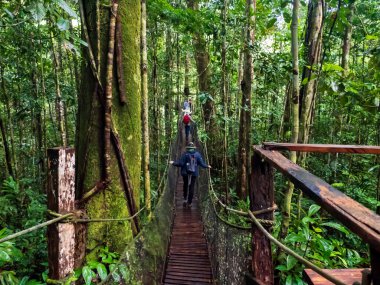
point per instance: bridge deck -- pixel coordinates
(188, 261)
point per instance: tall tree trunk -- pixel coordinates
(286, 209)
(122, 190)
(156, 110)
(38, 125)
(313, 44)
(225, 98)
(169, 83)
(347, 38)
(186, 89)
(10, 156)
(202, 60)
(245, 113)
(145, 106)
(58, 103)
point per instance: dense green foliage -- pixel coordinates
(347, 111)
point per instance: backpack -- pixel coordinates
(186, 119)
(191, 163)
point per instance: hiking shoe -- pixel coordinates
(184, 203)
(189, 205)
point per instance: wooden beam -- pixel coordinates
(352, 214)
(61, 197)
(323, 148)
(261, 197)
(347, 276)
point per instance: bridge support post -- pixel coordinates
(375, 265)
(61, 199)
(261, 197)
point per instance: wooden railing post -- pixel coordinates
(375, 265)
(261, 197)
(61, 198)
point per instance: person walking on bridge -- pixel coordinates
(189, 162)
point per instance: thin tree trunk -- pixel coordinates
(156, 117)
(186, 89)
(59, 103)
(169, 80)
(245, 113)
(225, 98)
(286, 209)
(145, 107)
(8, 157)
(347, 38)
(313, 44)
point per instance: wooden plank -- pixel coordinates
(347, 276)
(323, 148)
(261, 197)
(352, 214)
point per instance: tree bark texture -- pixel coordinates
(125, 124)
(347, 38)
(245, 113)
(59, 103)
(225, 97)
(286, 209)
(145, 106)
(313, 44)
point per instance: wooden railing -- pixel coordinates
(356, 217)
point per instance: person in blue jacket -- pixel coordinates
(189, 162)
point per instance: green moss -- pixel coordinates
(111, 203)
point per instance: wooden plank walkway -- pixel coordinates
(188, 261)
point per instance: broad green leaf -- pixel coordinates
(290, 262)
(289, 280)
(281, 267)
(63, 24)
(332, 67)
(102, 271)
(336, 226)
(4, 256)
(67, 8)
(87, 275)
(271, 23)
(313, 209)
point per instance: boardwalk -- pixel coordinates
(188, 261)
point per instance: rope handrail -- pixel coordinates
(70, 219)
(259, 223)
(36, 227)
(294, 254)
(238, 212)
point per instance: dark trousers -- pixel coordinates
(187, 131)
(188, 190)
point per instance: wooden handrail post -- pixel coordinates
(375, 265)
(61, 198)
(261, 197)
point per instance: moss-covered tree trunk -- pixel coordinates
(111, 199)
